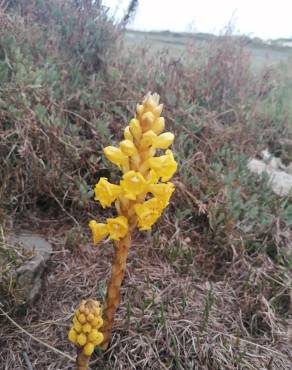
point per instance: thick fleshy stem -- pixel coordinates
(113, 292)
(82, 361)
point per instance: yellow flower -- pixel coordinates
(105, 192)
(118, 227)
(147, 139)
(128, 147)
(158, 125)
(162, 191)
(152, 177)
(133, 184)
(147, 120)
(88, 349)
(148, 213)
(163, 141)
(135, 128)
(127, 134)
(165, 165)
(99, 231)
(116, 156)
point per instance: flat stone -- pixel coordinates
(280, 181)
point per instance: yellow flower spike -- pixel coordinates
(99, 231)
(128, 147)
(133, 184)
(165, 166)
(158, 125)
(162, 191)
(143, 174)
(135, 129)
(148, 213)
(105, 192)
(118, 227)
(116, 156)
(127, 134)
(163, 141)
(147, 140)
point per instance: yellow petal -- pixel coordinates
(148, 213)
(116, 156)
(165, 166)
(133, 184)
(162, 191)
(118, 227)
(99, 231)
(163, 141)
(105, 192)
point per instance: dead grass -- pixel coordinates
(167, 319)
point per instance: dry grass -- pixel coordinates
(167, 319)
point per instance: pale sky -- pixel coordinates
(265, 19)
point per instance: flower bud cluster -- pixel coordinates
(87, 321)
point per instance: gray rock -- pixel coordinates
(29, 276)
(280, 181)
(289, 168)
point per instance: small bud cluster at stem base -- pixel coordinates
(84, 332)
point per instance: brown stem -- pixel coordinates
(82, 361)
(113, 291)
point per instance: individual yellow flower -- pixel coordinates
(105, 192)
(163, 141)
(148, 139)
(162, 191)
(118, 227)
(116, 156)
(147, 121)
(165, 165)
(133, 184)
(158, 125)
(135, 128)
(99, 231)
(148, 213)
(128, 147)
(127, 134)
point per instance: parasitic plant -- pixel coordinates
(142, 194)
(85, 331)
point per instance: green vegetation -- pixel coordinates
(211, 287)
